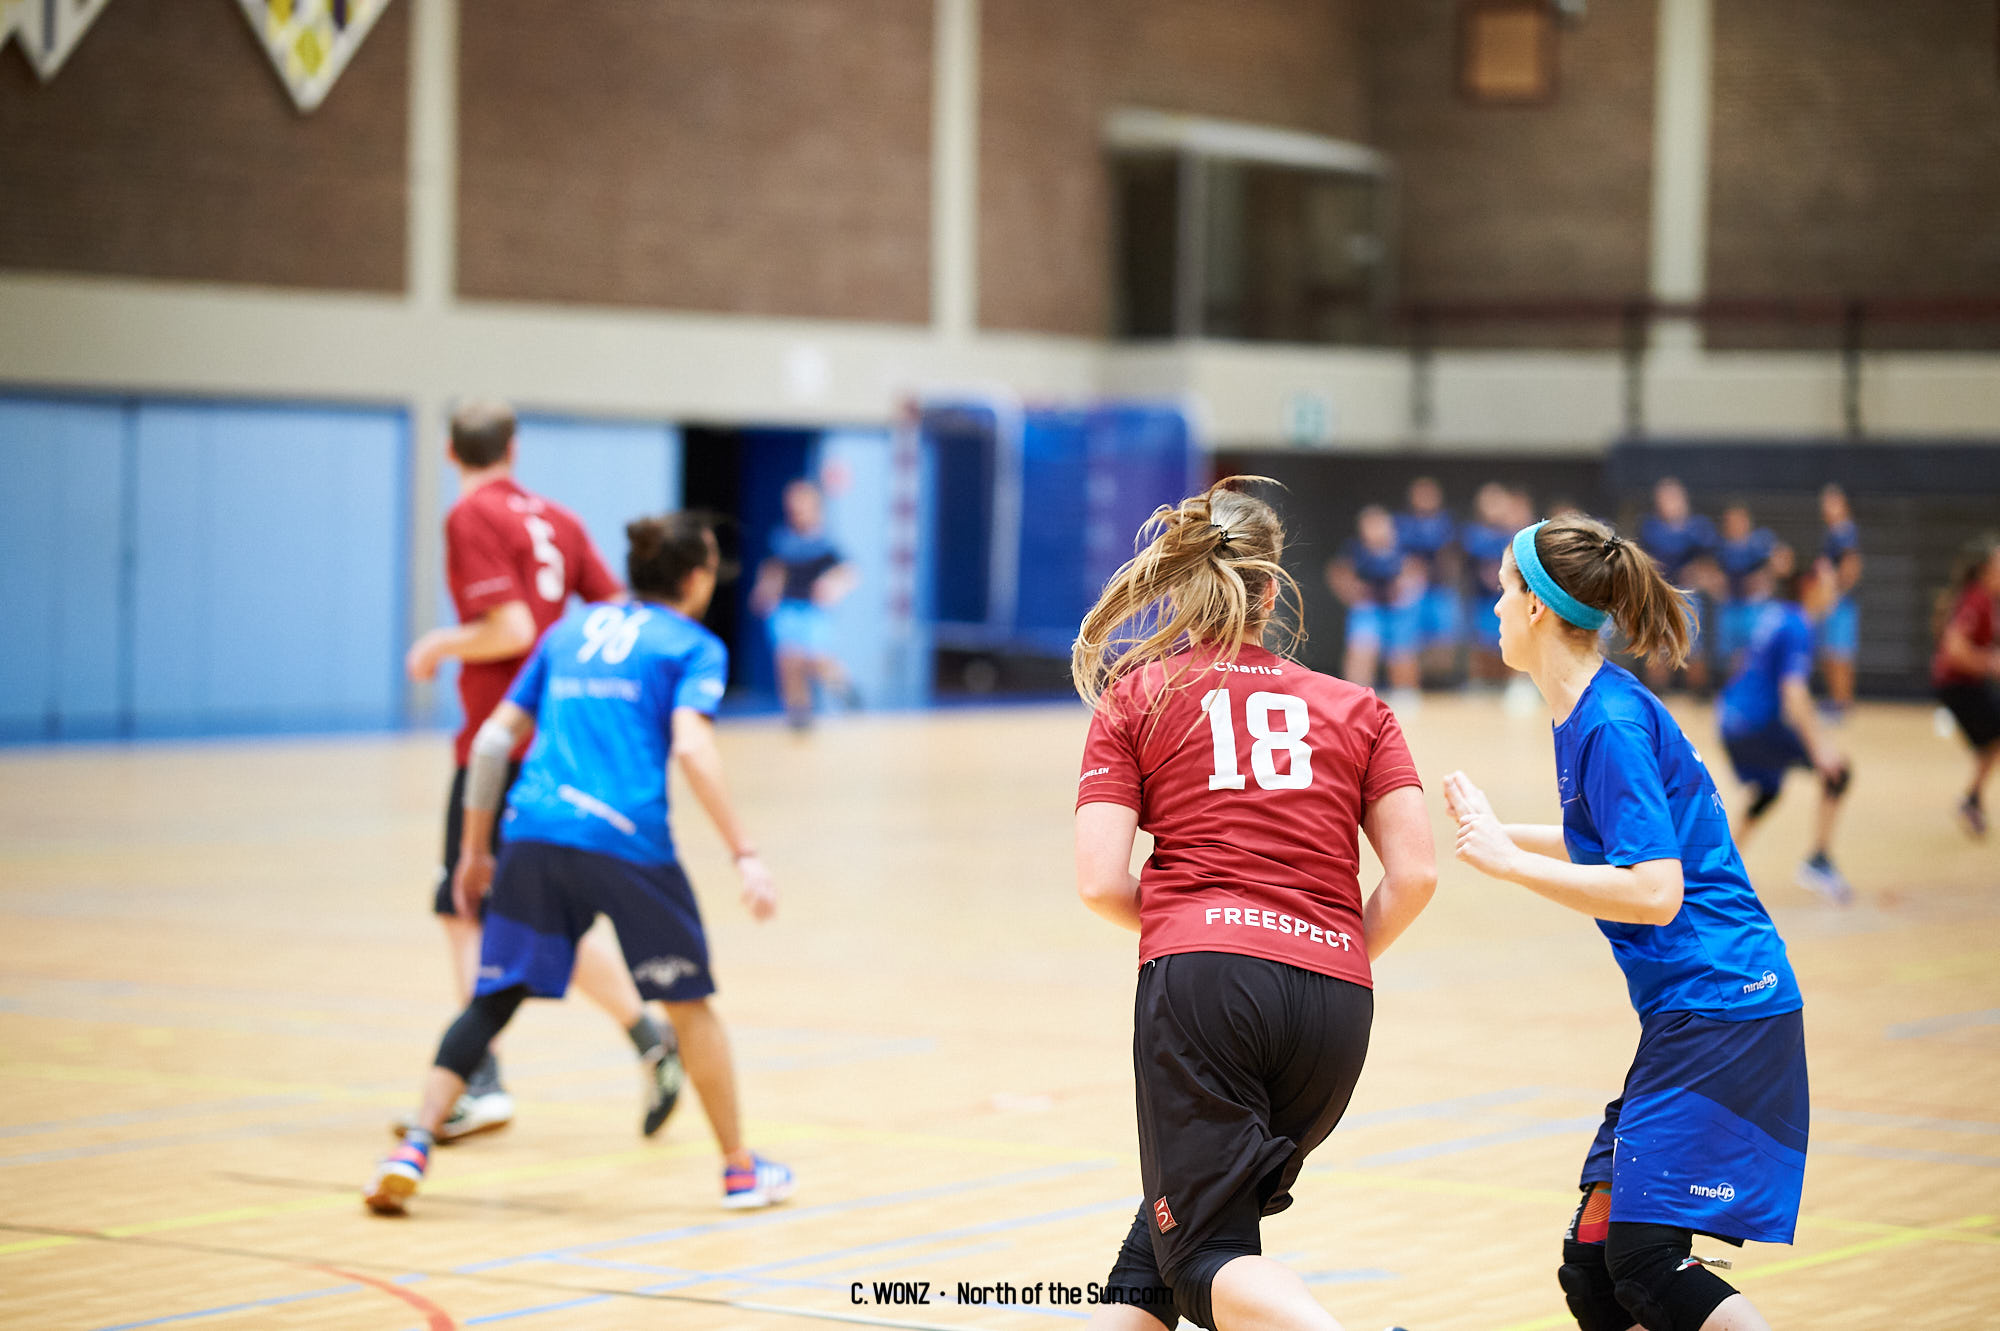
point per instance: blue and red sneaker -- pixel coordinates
(396, 1178)
(760, 1183)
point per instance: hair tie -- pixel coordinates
(1529, 561)
(1226, 535)
(1612, 544)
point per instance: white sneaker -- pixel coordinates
(1818, 876)
(488, 1111)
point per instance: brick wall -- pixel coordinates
(1496, 202)
(1856, 150)
(1050, 71)
(762, 157)
(167, 147)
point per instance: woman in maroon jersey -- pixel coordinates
(1254, 776)
(1966, 669)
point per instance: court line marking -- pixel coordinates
(272, 1302)
(1944, 1025)
(1792, 1264)
(435, 1318)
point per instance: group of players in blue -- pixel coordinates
(1419, 585)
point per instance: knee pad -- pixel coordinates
(1766, 797)
(1836, 785)
(1584, 1278)
(468, 1038)
(1653, 1275)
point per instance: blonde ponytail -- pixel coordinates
(1201, 574)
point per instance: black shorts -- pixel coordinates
(1976, 707)
(546, 896)
(454, 831)
(1243, 1066)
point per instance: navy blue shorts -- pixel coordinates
(1762, 757)
(545, 896)
(1710, 1134)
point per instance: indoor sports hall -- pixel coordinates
(928, 306)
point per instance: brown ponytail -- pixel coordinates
(1200, 576)
(1966, 570)
(1605, 571)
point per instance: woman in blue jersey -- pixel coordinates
(614, 692)
(1769, 724)
(1381, 585)
(1709, 1136)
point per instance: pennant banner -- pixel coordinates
(310, 41)
(47, 30)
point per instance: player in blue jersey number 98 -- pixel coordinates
(612, 692)
(1709, 1135)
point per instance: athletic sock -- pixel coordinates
(645, 1035)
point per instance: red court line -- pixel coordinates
(435, 1318)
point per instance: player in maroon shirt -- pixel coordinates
(1966, 667)
(513, 560)
(1255, 776)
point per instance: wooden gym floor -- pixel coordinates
(218, 983)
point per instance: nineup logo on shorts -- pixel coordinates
(1163, 1217)
(1725, 1192)
(1768, 980)
(664, 971)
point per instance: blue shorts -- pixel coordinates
(1839, 634)
(1710, 1133)
(544, 896)
(1395, 629)
(801, 626)
(1762, 757)
(1439, 615)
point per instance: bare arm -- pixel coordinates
(1399, 828)
(1962, 652)
(701, 762)
(1104, 880)
(501, 634)
(1539, 838)
(770, 582)
(832, 586)
(1645, 893)
(1795, 700)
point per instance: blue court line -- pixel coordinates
(1957, 1021)
(1553, 1127)
(1349, 1276)
(788, 1214)
(1954, 1158)
(226, 1309)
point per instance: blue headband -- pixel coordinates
(1541, 584)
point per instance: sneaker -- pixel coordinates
(396, 1179)
(662, 1075)
(474, 1113)
(1972, 818)
(765, 1183)
(1818, 876)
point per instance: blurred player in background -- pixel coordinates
(1380, 585)
(1484, 540)
(1741, 553)
(1426, 532)
(1683, 543)
(1840, 631)
(1709, 1135)
(611, 693)
(1254, 776)
(803, 579)
(513, 560)
(1967, 666)
(1769, 724)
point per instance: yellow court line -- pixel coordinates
(1827, 1258)
(35, 1245)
